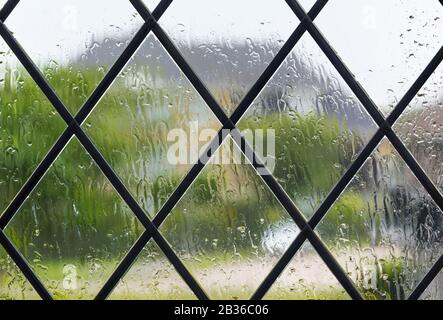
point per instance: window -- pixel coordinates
(187, 149)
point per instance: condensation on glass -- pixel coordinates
(74, 228)
(386, 44)
(234, 44)
(385, 230)
(73, 42)
(320, 126)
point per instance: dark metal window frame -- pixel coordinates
(151, 227)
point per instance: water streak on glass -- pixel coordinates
(74, 228)
(227, 227)
(134, 124)
(320, 126)
(385, 230)
(435, 289)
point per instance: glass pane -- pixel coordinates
(320, 126)
(29, 125)
(136, 123)
(13, 284)
(74, 228)
(228, 228)
(385, 230)
(74, 42)
(306, 278)
(386, 44)
(152, 277)
(421, 127)
(435, 289)
(226, 39)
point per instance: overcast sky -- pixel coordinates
(380, 40)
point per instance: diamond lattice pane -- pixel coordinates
(386, 44)
(306, 277)
(228, 229)
(74, 42)
(421, 127)
(152, 277)
(319, 125)
(141, 120)
(230, 39)
(74, 228)
(385, 230)
(29, 125)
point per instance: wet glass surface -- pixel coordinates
(152, 277)
(74, 228)
(74, 46)
(385, 230)
(386, 44)
(29, 125)
(306, 278)
(227, 226)
(235, 49)
(151, 125)
(421, 127)
(145, 112)
(320, 126)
